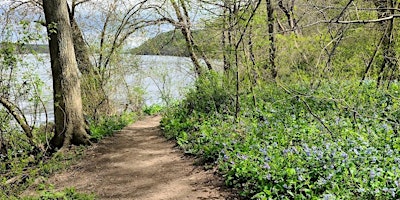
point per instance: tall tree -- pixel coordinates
(70, 124)
(82, 53)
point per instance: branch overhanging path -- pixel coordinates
(139, 163)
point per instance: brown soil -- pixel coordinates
(139, 163)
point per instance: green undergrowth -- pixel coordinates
(19, 172)
(67, 194)
(336, 141)
(21, 168)
(154, 109)
(107, 126)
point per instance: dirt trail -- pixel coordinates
(138, 163)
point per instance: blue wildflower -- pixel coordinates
(285, 151)
(392, 192)
(344, 155)
(328, 197)
(329, 176)
(263, 151)
(266, 166)
(356, 151)
(322, 181)
(361, 190)
(320, 154)
(226, 157)
(372, 174)
(369, 150)
(389, 152)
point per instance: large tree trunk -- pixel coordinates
(93, 96)
(82, 53)
(70, 124)
(85, 66)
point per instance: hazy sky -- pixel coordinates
(91, 16)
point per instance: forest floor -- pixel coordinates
(139, 163)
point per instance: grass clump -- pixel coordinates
(67, 193)
(337, 141)
(153, 109)
(107, 126)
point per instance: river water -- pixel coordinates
(161, 79)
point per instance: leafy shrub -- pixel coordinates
(212, 93)
(338, 141)
(107, 126)
(153, 109)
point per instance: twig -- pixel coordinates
(316, 117)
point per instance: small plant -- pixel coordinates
(153, 109)
(107, 126)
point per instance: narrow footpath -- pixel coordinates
(139, 163)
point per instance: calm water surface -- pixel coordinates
(160, 77)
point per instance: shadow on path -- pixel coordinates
(139, 163)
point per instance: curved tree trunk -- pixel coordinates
(14, 111)
(70, 124)
(187, 34)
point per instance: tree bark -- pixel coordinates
(187, 33)
(85, 66)
(93, 94)
(271, 36)
(15, 112)
(288, 11)
(224, 33)
(389, 62)
(69, 121)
